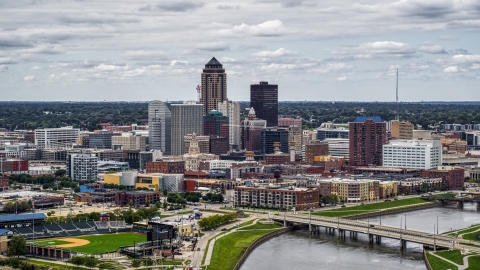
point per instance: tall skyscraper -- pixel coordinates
(214, 85)
(252, 132)
(232, 111)
(366, 138)
(159, 127)
(264, 99)
(187, 118)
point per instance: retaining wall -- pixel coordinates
(259, 241)
(427, 263)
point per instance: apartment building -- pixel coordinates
(82, 167)
(56, 137)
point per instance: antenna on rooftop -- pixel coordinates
(199, 93)
(396, 101)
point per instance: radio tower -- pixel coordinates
(396, 102)
(199, 93)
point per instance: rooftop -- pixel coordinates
(365, 118)
(213, 63)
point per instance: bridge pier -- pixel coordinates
(478, 206)
(403, 244)
(378, 239)
(459, 205)
(370, 238)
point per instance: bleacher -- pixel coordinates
(22, 224)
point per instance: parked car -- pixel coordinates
(224, 229)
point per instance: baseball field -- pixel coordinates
(94, 244)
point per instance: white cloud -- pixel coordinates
(278, 53)
(29, 78)
(331, 68)
(341, 79)
(149, 55)
(378, 49)
(466, 58)
(3, 68)
(451, 69)
(213, 46)
(433, 49)
(266, 29)
(448, 37)
(36, 68)
(106, 67)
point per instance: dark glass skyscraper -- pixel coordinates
(264, 100)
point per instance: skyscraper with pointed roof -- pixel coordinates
(214, 85)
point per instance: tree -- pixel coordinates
(17, 246)
(60, 173)
(165, 204)
(165, 192)
(136, 263)
(91, 262)
(78, 260)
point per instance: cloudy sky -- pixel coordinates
(314, 50)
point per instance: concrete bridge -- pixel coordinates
(373, 231)
(459, 201)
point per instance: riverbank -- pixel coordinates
(229, 250)
(452, 259)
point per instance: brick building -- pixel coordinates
(14, 165)
(174, 166)
(281, 198)
(452, 177)
(367, 134)
(315, 149)
(136, 197)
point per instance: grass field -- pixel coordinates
(98, 243)
(453, 255)
(368, 208)
(466, 230)
(439, 264)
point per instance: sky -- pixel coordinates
(90, 50)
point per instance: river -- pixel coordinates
(300, 250)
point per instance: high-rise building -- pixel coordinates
(159, 127)
(187, 118)
(82, 167)
(264, 99)
(252, 132)
(315, 149)
(270, 136)
(402, 130)
(128, 141)
(56, 137)
(100, 140)
(214, 123)
(367, 134)
(421, 154)
(232, 111)
(214, 86)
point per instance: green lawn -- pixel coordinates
(471, 236)
(467, 230)
(103, 243)
(444, 195)
(439, 264)
(58, 266)
(368, 208)
(230, 248)
(453, 255)
(473, 263)
(262, 226)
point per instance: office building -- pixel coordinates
(289, 122)
(232, 111)
(137, 159)
(82, 167)
(203, 143)
(412, 154)
(187, 118)
(159, 127)
(218, 145)
(215, 124)
(137, 198)
(64, 137)
(366, 138)
(315, 149)
(214, 86)
(402, 130)
(338, 148)
(264, 99)
(128, 141)
(170, 166)
(100, 140)
(252, 132)
(336, 133)
(272, 135)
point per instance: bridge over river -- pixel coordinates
(374, 232)
(459, 200)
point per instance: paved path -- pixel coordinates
(460, 267)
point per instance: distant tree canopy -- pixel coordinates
(88, 116)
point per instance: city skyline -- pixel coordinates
(333, 50)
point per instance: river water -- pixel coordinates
(300, 250)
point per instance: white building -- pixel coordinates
(82, 167)
(338, 147)
(56, 137)
(418, 154)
